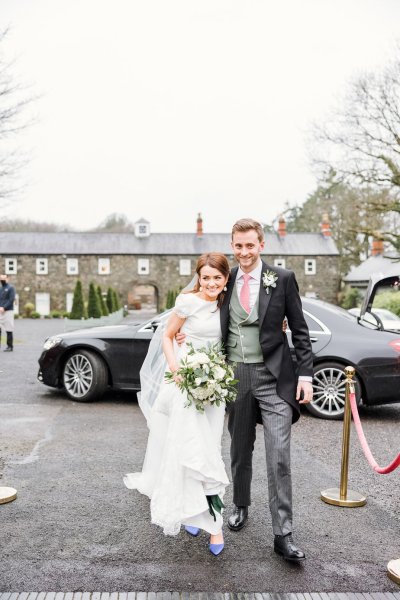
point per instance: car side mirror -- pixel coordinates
(154, 325)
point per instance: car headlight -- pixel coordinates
(51, 342)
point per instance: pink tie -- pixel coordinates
(245, 293)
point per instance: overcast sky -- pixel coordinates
(165, 108)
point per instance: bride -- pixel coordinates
(183, 463)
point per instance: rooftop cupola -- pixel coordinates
(142, 228)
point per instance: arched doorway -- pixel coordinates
(143, 296)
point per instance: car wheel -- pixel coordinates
(329, 385)
(84, 376)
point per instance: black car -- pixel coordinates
(87, 362)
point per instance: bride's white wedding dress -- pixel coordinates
(183, 461)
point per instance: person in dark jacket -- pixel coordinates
(258, 298)
(7, 297)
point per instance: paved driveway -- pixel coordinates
(76, 527)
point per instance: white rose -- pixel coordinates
(218, 372)
(198, 357)
(197, 380)
(201, 393)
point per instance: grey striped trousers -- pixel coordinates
(257, 391)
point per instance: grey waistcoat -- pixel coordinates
(243, 342)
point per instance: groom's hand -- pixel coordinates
(180, 338)
(307, 389)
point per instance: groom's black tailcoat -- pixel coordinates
(281, 301)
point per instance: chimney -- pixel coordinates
(281, 227)
(199, 231)
(325, 226)
(377, 247)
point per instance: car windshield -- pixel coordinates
(386, 314)
(337, 310)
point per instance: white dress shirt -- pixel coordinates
(254, 285)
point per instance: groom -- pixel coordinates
(257, 299)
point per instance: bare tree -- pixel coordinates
(115, 223)
(14, 98)
(361, 142)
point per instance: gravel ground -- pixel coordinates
(76, 527)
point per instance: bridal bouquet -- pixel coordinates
(205, 376)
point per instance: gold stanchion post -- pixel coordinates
(393, 570)
(7, 494)
(343, 496)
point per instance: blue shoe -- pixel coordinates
(194, 531)
(216, 548)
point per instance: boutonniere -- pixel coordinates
(269, 280)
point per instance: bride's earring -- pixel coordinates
(200, 289)
(225, 289)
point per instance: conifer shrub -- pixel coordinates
(103, 305)
(78, 306)
(109, 300)
(94, 306)
(116, 304)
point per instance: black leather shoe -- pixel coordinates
(238, 518)
(285, 546)
(8, 349)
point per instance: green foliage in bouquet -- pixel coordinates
(205, 376)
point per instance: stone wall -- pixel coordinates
(163, 276)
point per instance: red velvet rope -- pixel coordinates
(364, 444)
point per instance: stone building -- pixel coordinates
(143, 266)
(381, 262)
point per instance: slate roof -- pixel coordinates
(108, 244)
(374, 265)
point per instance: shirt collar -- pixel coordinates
(254, 274)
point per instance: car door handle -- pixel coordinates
(313, 339)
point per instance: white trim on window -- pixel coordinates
(143, 266)
(280, 262)
(185, 267)
(104, 266)
(310, 266)
(42, 266)
(72, 266)
(11, 267)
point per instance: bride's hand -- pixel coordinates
(177, 378)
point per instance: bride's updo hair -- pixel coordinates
(215, 260)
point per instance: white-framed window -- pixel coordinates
(42, 267)
(310, 266)
(184, 266)
(104, 266)
(280, 262)
(69, 297)
(72, 266)
(11, 266)
(142, 229)
(143, 266)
